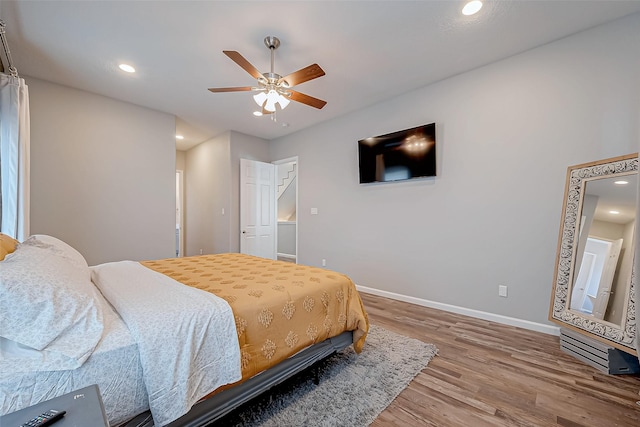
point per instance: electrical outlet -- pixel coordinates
(324, 262)
(502, 291)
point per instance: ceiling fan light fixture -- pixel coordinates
(272, 95)
(260, 98)
(272, 98)
(283, 101)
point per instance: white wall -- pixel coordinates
(242, 147)
(287, 238)
(506, 134)
(207, 192)
(212, 185)
(102, 174)
(181, 160)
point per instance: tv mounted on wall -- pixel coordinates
(402, 155)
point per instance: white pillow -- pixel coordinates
(48, 302)
(60, 248)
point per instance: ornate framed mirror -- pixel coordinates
(594, 281)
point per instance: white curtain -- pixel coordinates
(14, 156)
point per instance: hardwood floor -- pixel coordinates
(489, 374)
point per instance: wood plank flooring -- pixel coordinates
(489, 374)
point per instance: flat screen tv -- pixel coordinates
(402, 155)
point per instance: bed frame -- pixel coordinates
(222, 403)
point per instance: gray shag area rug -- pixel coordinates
(353, 389)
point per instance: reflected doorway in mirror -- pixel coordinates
(593, 285)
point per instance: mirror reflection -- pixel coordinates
(604, 255)
(594, 280)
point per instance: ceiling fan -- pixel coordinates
(272, 88)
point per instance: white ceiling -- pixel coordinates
(370, 51)
(620, 198)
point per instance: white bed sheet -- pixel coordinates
(114, 366)
(186, 337)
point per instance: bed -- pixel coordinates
(187, 339)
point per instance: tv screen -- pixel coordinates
(406, 154)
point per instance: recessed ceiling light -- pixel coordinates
(621, 182)
(614, 212)
(257, 113)
(472, 7)
(179, 137)
(127, 68)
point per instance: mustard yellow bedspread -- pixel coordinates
(280, 308)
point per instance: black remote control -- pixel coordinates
(45, 419)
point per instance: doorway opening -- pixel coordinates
(593, 285)
(179, 219)
(287, 202)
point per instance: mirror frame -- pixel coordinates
(622, 336)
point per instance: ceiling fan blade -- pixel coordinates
(231, 89)
(305, 74)
(306, 99)
(246, 65)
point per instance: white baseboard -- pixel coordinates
(492, 317)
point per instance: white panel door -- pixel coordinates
(606, 281)
(258, 209)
